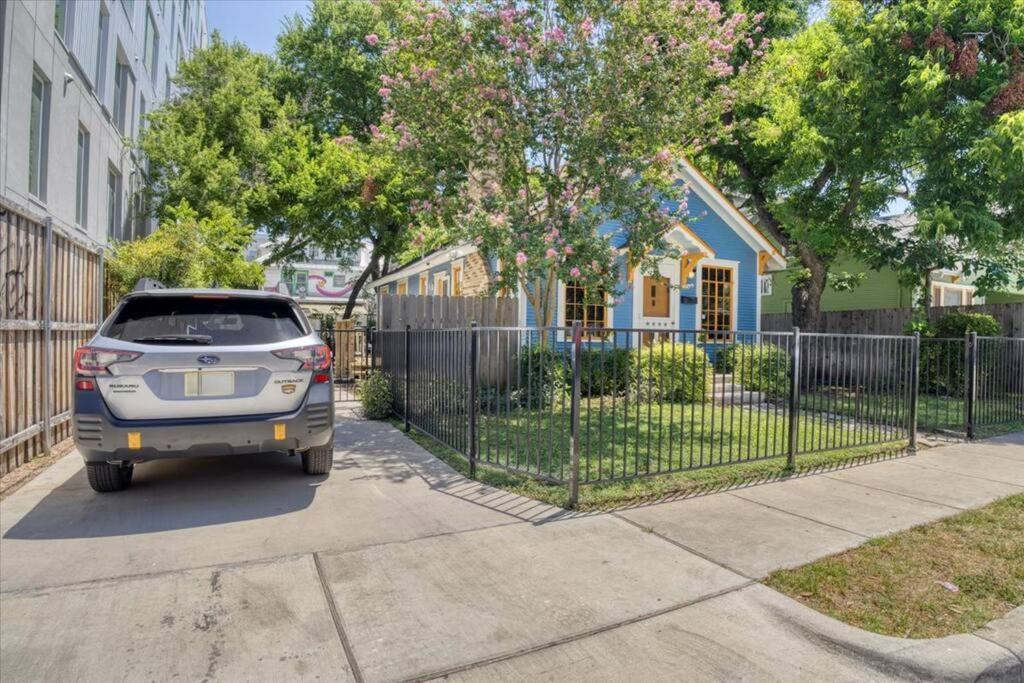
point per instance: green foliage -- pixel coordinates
(605, 372)
(375, 394)
(545, 375)
(187, 251)
(762, 367)
(956, 324)
(552, 115)
(673, 372)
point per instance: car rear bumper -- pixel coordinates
(101, 437)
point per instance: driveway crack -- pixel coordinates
(339, 625)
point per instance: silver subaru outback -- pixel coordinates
(197, 372)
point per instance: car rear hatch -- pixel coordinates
(203, 356)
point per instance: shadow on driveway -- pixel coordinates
(175, 494)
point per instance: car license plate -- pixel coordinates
(208, 384)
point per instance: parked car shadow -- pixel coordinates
(173, 494)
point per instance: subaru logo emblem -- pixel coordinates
(209, 360)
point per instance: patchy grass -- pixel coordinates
(633, 491)
(901, 585)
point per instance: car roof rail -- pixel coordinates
(148, 283)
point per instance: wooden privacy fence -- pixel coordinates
(394, 311)
(50, 302)
(893, 320)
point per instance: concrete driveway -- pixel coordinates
(395, 567)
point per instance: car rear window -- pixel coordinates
(227, 321)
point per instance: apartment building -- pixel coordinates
(76, 80)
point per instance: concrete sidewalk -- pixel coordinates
(398, 568)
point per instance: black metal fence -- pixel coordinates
(583, 405)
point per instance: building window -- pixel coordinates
(63, 19)
(402, 288)
(122, 97)
(38, 135)
(82, 177)
(298, 283)
(716, 301)
(952, 295)
(152, 45)
(441, 285)
(656, 297)
(423, 285)
(338, 280)
(456, 281)
(101, 52)
(142, 113)
(113, 204)
(580, 309)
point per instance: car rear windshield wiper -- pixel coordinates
(175, 339)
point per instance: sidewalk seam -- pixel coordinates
(963, 474)
(681, 546)
(582, 635)
(897, 493)
(1020, 661)
(799, 516)
(339, 625)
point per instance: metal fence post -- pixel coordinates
(970, 380)
(915, 387)
(794, 399)
(574, 468)
(371, 348)
(472, 399)
(407, 371)
(47, 337)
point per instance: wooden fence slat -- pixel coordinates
(440, 312)
(893, 320)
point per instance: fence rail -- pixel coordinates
(585, 405)
(50, 303)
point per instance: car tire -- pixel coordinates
(105, 477)
(318, 460)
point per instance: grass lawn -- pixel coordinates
(901, 585)
(619, 444)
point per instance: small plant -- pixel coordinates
(670, 371)
(544, 375)
(956, 324)
(375, 395)
(605, 372)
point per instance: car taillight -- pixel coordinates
(91, 361)
(312, 357)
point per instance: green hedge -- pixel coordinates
(675, 372)
(761, 367)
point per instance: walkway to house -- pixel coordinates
(396, 567)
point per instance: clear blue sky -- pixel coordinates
(253, 22)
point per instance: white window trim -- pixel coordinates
(609, 310)
(699, 280)
(438, 282)
(935, 284)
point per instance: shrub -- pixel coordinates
(725, 359)
(956, 324)
(762, 367)
(604, 372)
(375, 395)
(544, 375)
(676, 372)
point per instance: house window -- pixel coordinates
(441, 285)
(456, 281)
(152, 45)
(113, 204)
(338, 280)
(716, 302)
(298, 283)
(578, 309)
(82, 177)
(946, 295)
(123, 81)
(656, 297)
(402, 288)
(63, 17)
(423, 290)
(38, 135)
(101, 52)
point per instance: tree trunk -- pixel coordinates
(357, 287)
(807, 293)
(926, 293)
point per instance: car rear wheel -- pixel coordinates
(107, 477)
(318, 460)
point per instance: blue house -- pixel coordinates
(715, 287)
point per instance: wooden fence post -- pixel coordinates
(47, 379)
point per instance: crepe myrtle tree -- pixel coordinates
(554, 116)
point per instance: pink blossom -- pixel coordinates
(551, 253)
(569, 250)
(520, 258)
(344, 140)
(575, 272)
(384, 92)
(478, 240)
(662, 156)
(375, 132)
(587, 27)
(468, 38)
(555, 35)
(372, 39)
